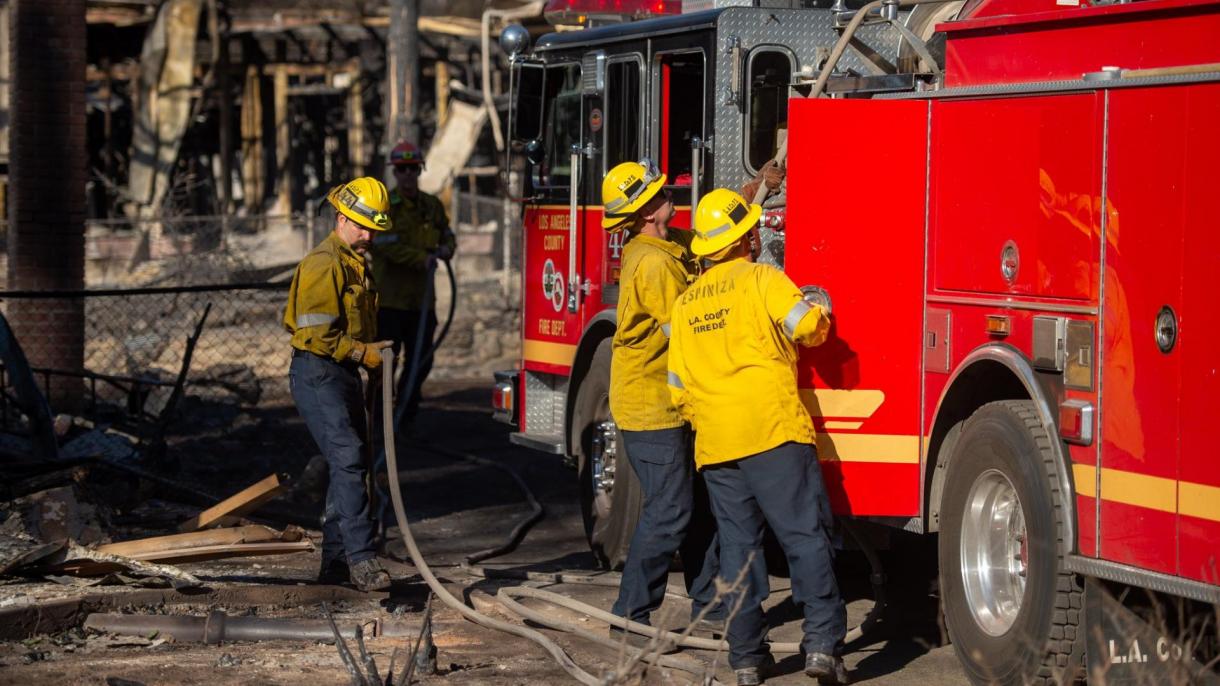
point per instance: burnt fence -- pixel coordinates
(135, 344)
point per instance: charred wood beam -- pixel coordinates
(349, 50)
(305, 48)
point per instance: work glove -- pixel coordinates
(369, 354)
(771, 174)
(444, 252)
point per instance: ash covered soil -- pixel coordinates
(456, 508)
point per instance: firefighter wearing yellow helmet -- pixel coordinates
(732, 374)
(656, 268)
(403, 262)
(332, 316)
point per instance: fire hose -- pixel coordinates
(507, 597)
(408, 377)
(425, 571)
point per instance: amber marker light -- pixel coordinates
(998, 325)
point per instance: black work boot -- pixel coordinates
(753, 676)
(367, 575)
(827, 669)
(333, 572)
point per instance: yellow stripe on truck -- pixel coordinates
(1147, 491)
(548, 352)
(1141, 490)
(839, 402)
(1128, 488)
(1085, 476)
(833, 447)
(1198, 500)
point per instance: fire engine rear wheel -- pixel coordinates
(1012, 611)
(610, 496)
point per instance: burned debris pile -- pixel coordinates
(86, 503)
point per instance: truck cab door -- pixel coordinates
(549, 317)
(680, 90)
(591, 236)
(616, 121)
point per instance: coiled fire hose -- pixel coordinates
(507, 597)
(421, 565)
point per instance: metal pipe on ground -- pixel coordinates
(218, 627)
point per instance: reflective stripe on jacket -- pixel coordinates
(331, 302)
(654, 273)
(400, 255)
(732, 360)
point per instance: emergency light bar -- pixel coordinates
(580, 12)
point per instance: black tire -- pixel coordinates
(610, 518)
(1043, 642)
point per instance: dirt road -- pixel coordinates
(459, 508)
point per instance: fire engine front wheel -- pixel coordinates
(610, 496)
(1012, 611)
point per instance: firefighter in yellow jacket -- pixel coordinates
(732, 374)
(656, 268)
(404, 257)
(332, 316)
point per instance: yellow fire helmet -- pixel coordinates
(721, 218)
(364, 201)
(627, 188)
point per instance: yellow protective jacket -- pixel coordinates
(400, 256)
(331, 302)
(732, 360)
(654, 273)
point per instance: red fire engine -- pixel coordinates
(1009, 202)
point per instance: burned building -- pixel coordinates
(257, 109)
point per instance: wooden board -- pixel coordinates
(237, 505)
(201, 554)
(216, 552)
(199, 539)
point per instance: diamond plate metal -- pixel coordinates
(545, 401)
(808, 33)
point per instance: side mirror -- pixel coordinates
(534, 152)
(529, 79)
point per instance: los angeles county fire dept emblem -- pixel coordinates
(552, 285)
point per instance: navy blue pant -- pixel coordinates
(328, 396)
(674, 518)
(402, 327)
(781, 487)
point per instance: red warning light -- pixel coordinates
(580, 11)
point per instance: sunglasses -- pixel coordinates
(405, 168)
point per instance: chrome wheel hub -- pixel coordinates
(604, 457)
(994, 555)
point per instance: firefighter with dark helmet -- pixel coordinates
(404, 258)
(332, 316)
(732, 374)
(656, 268)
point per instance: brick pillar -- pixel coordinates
(46, 211)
